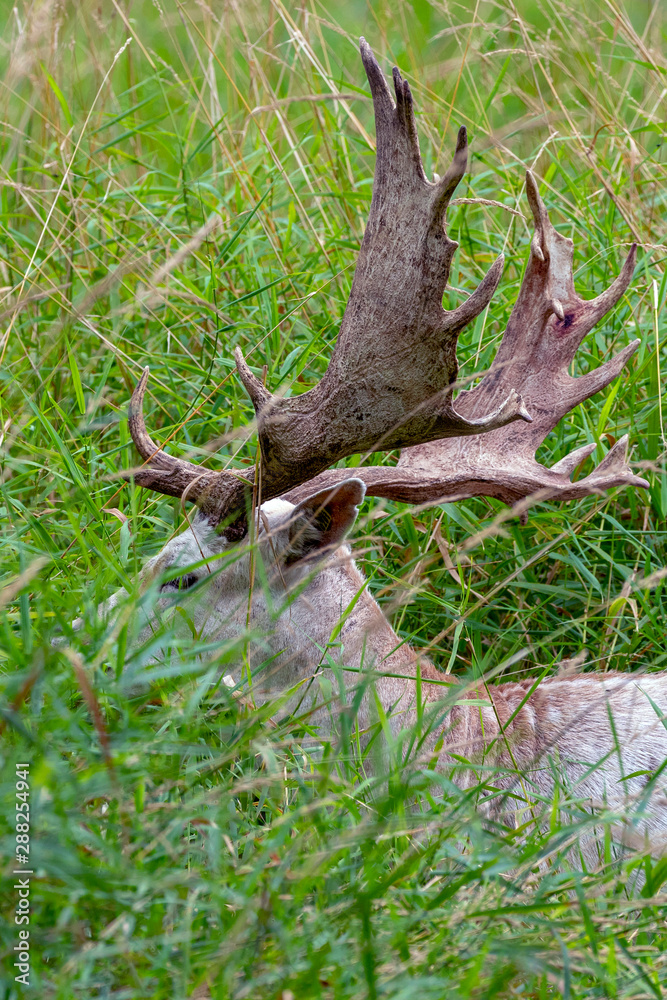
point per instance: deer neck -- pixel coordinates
(347, 628)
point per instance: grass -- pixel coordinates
(178, 179)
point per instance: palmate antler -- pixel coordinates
(391, 377)
(389, 382)
(547, 325)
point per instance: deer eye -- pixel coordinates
(179, 583)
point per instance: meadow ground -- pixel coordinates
(181, 178)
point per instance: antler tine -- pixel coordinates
(405, 114)
(395, 128)
(142, 439)
(383, 106)
(605, 302)
(259, 394)
(175, 477)
(587, 385)
(448, 184)
(548, 243)
(478, 300)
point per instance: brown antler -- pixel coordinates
(390, 381)
(391, 378)
(546, 327)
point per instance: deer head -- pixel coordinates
(290, 584)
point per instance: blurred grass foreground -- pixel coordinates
(178, 179)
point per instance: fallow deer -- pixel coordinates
(390, 384)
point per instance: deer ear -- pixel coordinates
(323, 520)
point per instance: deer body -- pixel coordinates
(604, 737)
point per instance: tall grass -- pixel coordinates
(181, 178)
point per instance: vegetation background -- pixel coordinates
(177, 179)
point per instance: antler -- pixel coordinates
(547, 325)
(390, 380)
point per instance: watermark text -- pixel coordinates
(23, 872)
